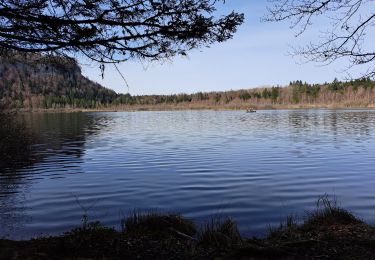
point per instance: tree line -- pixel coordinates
(354, 93)
(35, 83)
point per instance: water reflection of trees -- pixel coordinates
(27, 140)
(337, 126)
(15, 141)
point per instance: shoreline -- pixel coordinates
(328, 232)
(185, 108)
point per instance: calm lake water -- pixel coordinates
(256, 167)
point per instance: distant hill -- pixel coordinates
(37, 82)
(34, 81)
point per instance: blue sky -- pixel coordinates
(256, 56)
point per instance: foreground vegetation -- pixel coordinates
(328, 232)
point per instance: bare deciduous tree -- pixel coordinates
(113, 30)
(351, 25)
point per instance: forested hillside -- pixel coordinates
(34, 81)
(37, 82)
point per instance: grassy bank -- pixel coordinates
(328, 232)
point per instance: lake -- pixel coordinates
(255, 167)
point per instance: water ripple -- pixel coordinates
(255, 167)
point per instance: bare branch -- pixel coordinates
(352, 21)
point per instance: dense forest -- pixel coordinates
(37, 82)
(33, 81)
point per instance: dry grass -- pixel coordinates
(329, 212)
(157, 222)
(219, 233)
(328, 232)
